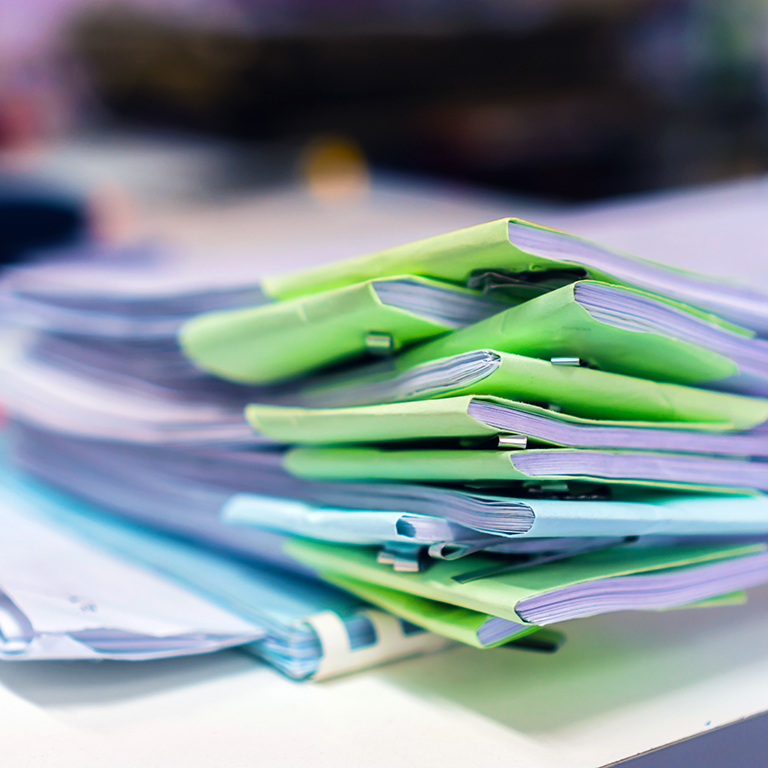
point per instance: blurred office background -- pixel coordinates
(564, 100)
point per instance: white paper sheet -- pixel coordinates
(62, 598)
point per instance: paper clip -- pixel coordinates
(404, 558)
(454, 550)
(379, 343)
(516, 442)
(571, 361)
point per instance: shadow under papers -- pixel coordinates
(609, 662)
(72, 683)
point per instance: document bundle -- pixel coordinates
(79, 584)
(469, 438)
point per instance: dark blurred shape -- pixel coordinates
(543, 641)
(35, 216)
(569, 99)
(744, 743)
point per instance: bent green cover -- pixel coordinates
(453, 257)
(501, 468)
(499, 595)
(441, 418)
(284, 340)
(464, 625)
(575, 390)
(556, 325)
(444, 619)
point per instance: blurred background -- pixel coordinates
(560, 100)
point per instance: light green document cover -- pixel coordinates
(499, 595)
(452, 257)
(445, 417)
(459, 466)
(460, 623)
(555, 325)
(578, 391)
(416, 420)
(287, 339)
(448, 620)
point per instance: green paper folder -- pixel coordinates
(483, 418)
(512, 254)
(471, 627)
(517, 595)
(420, 419)
(683, 346)
(479, 630)
(577, 391)
(500, 468)
(273, 342)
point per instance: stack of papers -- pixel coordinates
(79, 584)
(480, 434)
(90, 353)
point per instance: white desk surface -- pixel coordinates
(623, 684)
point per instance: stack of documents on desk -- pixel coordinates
(483, 433)
(90, 361)
(79, 584)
